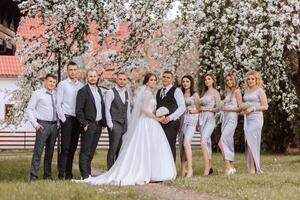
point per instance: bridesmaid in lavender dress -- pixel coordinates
(230, 112)
(207, 121)
(253, 123)
(188, 124)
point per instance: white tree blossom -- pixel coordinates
(207, 36)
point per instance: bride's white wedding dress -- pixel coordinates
(145, 154)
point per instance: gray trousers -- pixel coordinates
(45, 138)
(115, 142)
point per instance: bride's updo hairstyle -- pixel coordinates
(147, 77)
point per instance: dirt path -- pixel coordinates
(166, 192)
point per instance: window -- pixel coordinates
(7, 110)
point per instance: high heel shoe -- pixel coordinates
(210, 171)
(184, 173)
(189, 173)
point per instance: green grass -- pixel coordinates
(280, 180)
(14, 184)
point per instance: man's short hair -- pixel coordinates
(71, 63)
(51, 76)
(121, 73)
(168, 72)
(91, 70)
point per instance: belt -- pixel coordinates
(98, 122)
(69, 116)
(46, 122)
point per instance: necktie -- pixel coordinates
(163, 93)
(53, 106)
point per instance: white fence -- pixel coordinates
(25, 140)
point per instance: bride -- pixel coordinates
(145, 154)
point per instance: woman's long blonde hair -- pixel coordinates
(235, 84)
(257, 75)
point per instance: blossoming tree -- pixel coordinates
(207, 36)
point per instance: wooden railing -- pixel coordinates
(25, 140)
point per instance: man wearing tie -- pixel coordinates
(173, 99)
(117, 110)
(90, 112)
(42, 115)
(66, 100)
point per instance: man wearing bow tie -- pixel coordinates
(90, 112)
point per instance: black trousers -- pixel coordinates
(88, 145)
(69, 141)
(171, 131)
(115, 142)
(45, 138)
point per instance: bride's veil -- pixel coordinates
(136, 112)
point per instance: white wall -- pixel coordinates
(10, 85)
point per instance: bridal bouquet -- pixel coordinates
(245, 106)
(220, 104)
(188, 102)
(203, 102)
(162, 111)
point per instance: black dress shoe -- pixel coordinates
(48, 178)
(210, 171)
(32, 179)
(68, 177)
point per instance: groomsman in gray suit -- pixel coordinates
(41, 111)
(117, 111)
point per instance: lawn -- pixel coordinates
(280, 180)
(14, 184)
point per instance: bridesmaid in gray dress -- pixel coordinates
(233, 99)
(188, 124)
(253, 123)
(207, 121)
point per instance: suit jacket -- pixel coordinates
(86, 108)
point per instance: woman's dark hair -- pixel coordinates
(204, 87)
(147, 77)
(192, 90)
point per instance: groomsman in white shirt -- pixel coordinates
(66, 103)
(117, 111)
(41, 111)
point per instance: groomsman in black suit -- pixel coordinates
(172, 98)
(90, 112)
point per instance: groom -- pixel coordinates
(172, 98)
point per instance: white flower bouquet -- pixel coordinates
(203, 102)
(245, 106)
(162, 111)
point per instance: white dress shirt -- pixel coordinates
(40, 106)
(97, 98)
(178, 95)
(109, 97)
(66, 98)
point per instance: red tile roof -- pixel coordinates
(10, 66)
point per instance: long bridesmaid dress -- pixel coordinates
(207, 123)
(229, 123)
(253, 124)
